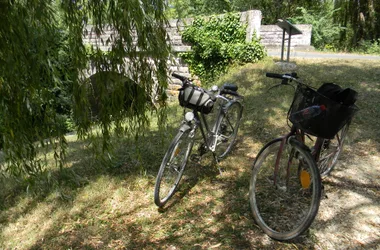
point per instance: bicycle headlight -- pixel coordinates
(189, 116)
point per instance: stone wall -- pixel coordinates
(102, 40)
(270, 35)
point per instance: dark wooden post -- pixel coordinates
(282, 45)
(290, 29)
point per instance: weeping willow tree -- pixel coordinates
(31, 47)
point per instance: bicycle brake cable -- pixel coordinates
(281, 84)
(275, 86)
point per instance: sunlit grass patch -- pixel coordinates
(108, 204)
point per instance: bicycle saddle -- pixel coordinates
(230, 86)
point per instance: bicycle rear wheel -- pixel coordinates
(330, 152)
(284, 204)
(227, 129)
(172, 167)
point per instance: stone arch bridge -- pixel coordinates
(270, 35)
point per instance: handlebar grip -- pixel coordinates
(274, 75)
(182, 78)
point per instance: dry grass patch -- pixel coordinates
(97, 206)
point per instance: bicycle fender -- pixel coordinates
(294, 141)
(184, 127)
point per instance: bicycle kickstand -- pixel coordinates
(217, 163)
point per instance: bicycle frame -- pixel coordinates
(300, 136)
(208, 134)
(286, 185)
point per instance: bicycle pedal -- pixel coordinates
(195, 158)
(202, 150)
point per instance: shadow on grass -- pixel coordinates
(194, 173)
(267, 108)
(209, 210)
(130, 157)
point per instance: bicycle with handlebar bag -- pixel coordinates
(218, 137)
(285, 184)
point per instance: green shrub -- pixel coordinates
(370, 47)
(325, 33)
(216, 43)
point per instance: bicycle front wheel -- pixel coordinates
(330, 152)
(227, 129)
(284, 201)
(172, 167)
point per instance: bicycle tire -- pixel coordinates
(227, 129)
(331, 150)
(172, 167)
(287, 208)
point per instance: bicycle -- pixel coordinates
(218, 138)
(285, 184)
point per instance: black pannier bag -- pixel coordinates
(335, 92)
(195, 98)
(339, 109)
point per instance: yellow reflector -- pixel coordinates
(177, 150)
(305, 179)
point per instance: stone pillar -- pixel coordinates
(253, 20)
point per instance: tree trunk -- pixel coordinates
(371, 21)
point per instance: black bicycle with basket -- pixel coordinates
(285, 185)
(218, 136)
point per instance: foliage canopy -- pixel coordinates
(324, 32)
(354, 23)
(42, 55)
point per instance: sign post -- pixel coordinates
(290, 29)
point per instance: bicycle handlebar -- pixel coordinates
(182, 78)
(274, 75)
(186, 80)
(286, 78)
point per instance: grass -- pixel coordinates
(97, 204)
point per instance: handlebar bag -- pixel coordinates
(195, 98)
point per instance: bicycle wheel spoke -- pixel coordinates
(330, 152)
(227, 130)
(230, 124)
(172, 167)
(286, 206)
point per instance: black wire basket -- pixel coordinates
(328, 122)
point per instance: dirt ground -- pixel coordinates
(114, 209)
(349, 215)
